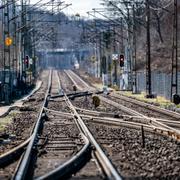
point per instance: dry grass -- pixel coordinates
(98, 85)
(161, 101)
(5, 121)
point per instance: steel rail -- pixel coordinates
(82, 81)
(78, 94)
(88, 117)
(124, 122)
(108, 168)
(132, 112)
(96, 116)
(25, 161)
(94, 113)
(156, 122)
(75, 163)
(125, 109)
(121, 107)
(147, 106)
(110, 171)
(74, 82)
(176, 124)
(124, 117)
(101, 113)
(69, 94)
(150, 128)
(71, 166)
(8, 157)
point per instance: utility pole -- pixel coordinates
(33, 54)
(22, 71)
(148, 54)
(15, 62)
(122, 51)
(97, 52)
(115, 61)
(100, 52)
(122, 39)
(174, 76)
(23, 43)
(6, 54)
(134, 54)
(129, 63)
(100, 55)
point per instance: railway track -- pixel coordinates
(132, 122)
(170, 124)
(65, 83)
(77, 81)
(65, 148)
(98, 155)
(111, 133)
(62, 142)
(142, 107)
(11, 151)
(59, 147)
(44, 146)
(145, 108)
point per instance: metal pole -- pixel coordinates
(148, 53)
(33, 55)
(115, 62)
(25, 42)
(122, 39)
(6, 57)
(22, 41)
(143, 137)
(134, 54)
(100, 52)
(129, 53)
(96, 50)
(174, 75)
(14, 40)
(19, 55)
(122, 48)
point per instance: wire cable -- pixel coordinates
(161, 8)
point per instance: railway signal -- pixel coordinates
(8, 41)
(26, 62)
(121, 60)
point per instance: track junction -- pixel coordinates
(69, 137)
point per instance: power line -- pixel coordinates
(161, 8)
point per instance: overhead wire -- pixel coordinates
(41, 18)
(161, 8)
(8, 4)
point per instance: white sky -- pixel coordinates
(78, 6)
(82, 6)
